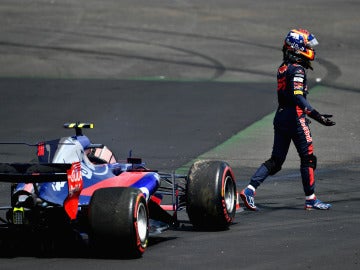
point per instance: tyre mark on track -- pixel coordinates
(333, 71)
(215, 64)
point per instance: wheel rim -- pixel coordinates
(142, 225)
(229, 194)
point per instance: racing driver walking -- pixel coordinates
(290, 122)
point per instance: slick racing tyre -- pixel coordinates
(119, 222)
(211, 195)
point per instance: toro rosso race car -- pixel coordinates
(78, 189)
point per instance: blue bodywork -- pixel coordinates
(75, 149)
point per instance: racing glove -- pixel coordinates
(322, 118)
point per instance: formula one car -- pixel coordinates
(78, 189)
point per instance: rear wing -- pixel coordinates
(33, 173)
(49, 172)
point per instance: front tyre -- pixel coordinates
(211, 195)
(119, 222)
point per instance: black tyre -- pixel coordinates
(119, 222)
(211, 195)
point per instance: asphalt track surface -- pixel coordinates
(175, 81)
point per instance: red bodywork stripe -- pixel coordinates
(41, 149)
(168, 207)
(125, 179)
(156, 200)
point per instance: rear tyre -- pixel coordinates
(211, 195)
(119, 222)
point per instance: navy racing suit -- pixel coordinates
(291, 124)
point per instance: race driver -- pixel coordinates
(290, 122)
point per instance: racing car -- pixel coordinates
(78, 189)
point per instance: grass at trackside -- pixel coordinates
(244, 136)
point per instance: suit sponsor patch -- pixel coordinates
(298, 86)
